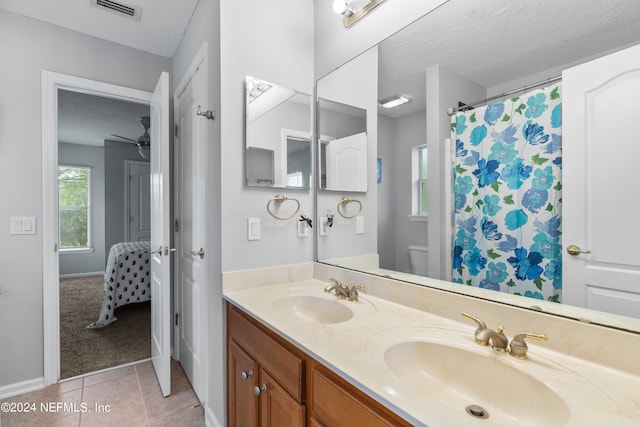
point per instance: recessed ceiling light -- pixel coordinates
(394, 101)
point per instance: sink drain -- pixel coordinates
(477, 411)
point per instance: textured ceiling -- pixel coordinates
(493, 42)
(159, 29)
(89, 119)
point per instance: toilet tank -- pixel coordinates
(419, 259)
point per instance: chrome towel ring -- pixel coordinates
(345, 201)
(279, 199)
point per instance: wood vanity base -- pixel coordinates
(271, 382)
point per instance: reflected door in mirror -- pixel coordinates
(277, 136)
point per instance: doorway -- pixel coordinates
(51, 84)
(103, 188)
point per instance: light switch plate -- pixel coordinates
(323, 227)
(303, 229)
(253, 228)
(359, 225)
(23, 225)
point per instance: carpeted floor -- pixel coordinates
(85, 350)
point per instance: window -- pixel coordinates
(419, 179)
(74, 207)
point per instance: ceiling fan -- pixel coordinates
(144, 141)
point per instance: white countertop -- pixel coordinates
(591, 395)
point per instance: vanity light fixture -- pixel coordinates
(354, 10)
(394, 101)
(255, 88)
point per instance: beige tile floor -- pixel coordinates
(127, 396)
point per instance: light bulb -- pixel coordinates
(339, 6)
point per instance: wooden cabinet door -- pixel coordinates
(277, 407)
(241, 378)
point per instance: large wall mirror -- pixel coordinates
(277, 136)
(342, 146)
(440, 61)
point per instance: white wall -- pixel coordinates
(27, 47)
(444, 89)
(335, 44)
(386, 193)
(355, 83)
(272, 41)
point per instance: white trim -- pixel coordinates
(210, 418)
(51, 82)
(285, 134)
(77, 251)
(87, 274)
(22, 387)
(200, 63)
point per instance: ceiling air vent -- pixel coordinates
(119, 8)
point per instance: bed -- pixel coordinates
(126, 279)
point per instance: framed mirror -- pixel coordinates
(342, 146)
(278, 123)
(437, 66)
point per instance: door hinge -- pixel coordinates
(175, 130)
(177, 318)
(176, 226)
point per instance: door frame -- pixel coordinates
(51, 82)
(199, 62)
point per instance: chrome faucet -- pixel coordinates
(346, 291)
(484, 335)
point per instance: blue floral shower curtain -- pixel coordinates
(508, 195)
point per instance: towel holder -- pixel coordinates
(345, 201)
(279, 199)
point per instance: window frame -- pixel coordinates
(417, 182)
(89, 244)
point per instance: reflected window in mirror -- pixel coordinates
(419, 181)
(342, 146)
(278, 123)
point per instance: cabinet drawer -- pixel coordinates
(277, 360)
(333, 405)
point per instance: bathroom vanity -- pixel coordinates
(271, 382)
(404, 355)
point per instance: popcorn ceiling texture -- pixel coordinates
(159, 30)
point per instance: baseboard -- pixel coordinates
(71, 276)
(210, 418)
(21, 387)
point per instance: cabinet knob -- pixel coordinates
(246, 374)
(258, 390)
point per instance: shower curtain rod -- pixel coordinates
(452, 110)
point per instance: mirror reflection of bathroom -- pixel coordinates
(342, 146)
(277, 136)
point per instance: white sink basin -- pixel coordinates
(457, 378)
(314, 309)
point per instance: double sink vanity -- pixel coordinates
(300, 352)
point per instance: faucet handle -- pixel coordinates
(519, 347)
(480, 323)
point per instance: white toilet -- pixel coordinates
(419, 259)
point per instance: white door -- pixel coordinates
(190, 234)
(600, 184)
(347, 163)
(138, 202)
(160, 235)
